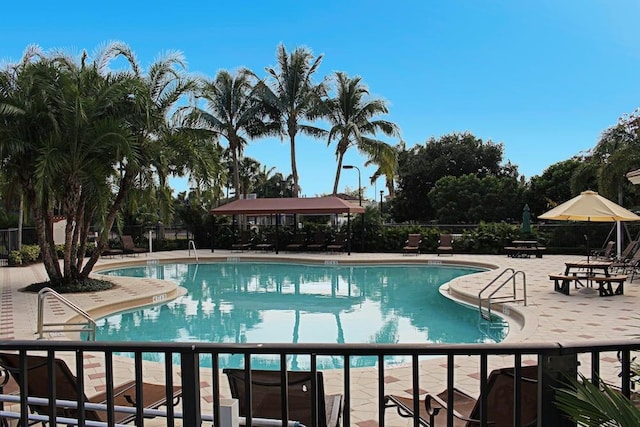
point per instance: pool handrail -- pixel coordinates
(195, 252)
(88, 326)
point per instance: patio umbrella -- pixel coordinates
(589, 206)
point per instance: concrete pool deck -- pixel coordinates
(549, 317)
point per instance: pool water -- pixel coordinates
(247, 302)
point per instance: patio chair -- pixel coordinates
(244, 243)
(499, 397)
(445, 244)
(628, 252)
(319, 242)
(109, 251)
(338, 244)
(66, 388)
(266, 396)
(129, 247)
(268, 244)
(298, 243)
(606, 253)
(412, 245)
(627, 258)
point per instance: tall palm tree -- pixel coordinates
(234, 111)
(294, 97)
(354, 123)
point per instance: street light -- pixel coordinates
(359, 182)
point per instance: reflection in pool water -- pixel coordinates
(295, 303)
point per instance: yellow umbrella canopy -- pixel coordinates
(590, 206)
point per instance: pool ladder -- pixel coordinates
(88, 325)
(192, 244)
(509, 275)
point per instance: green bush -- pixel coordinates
(30, 253)
(15, 258)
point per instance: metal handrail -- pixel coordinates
(89, 325)
(506, 298)
(192, 243)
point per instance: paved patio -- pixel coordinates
(548, 317)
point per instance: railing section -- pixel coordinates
(204, 398)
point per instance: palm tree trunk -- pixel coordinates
(294, 167)
(70, 207)
(125, 185)
(51, 265)
(236, 171)
(337, 180)
(82, 228)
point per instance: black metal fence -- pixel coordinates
(182, 360)
(8, 242)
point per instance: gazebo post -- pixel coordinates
(277, 221)
(348, 233)
(213, 232)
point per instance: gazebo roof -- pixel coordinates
(291, 205)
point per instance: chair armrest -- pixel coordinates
(433, 411)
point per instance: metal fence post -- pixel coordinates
(190, 366)
(553, 372)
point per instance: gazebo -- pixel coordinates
(291, 205)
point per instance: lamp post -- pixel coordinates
(359, 201)
(381, 193)
(359, 182)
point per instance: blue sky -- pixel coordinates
(543, 78)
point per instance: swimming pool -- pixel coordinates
(241, 302)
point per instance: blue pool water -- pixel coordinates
(294, 303)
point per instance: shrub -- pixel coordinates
(15, 258)
(30, 253)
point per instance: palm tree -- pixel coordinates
(262, 181)
(616, 154)
(77, 133)
(234, 111)
(352, 117)
(157, 145)
(292, 96)
(248, 172)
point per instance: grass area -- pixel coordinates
(87, 285)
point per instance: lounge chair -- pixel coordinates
(298, 243)
(109, 251)
(412, 245)
(499, 396)
(445, 245)
(628, 253)
(268, 244)
(338, 244)
(606, 253)
(319, 242)
(244, 243)
(129, 247)
(66, 386)
(628, 258)
(266, 396)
